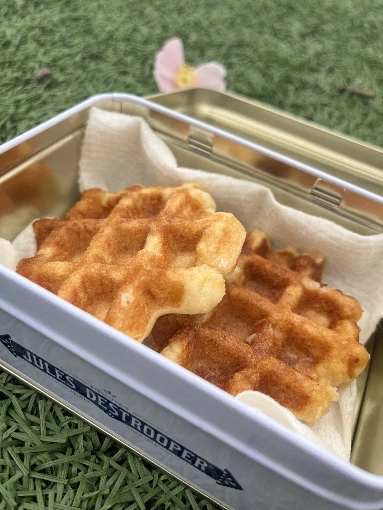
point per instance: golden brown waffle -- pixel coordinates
(278, 330)
(129, 257)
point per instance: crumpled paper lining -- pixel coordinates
(121, 151)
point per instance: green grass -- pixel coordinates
(293, 54)
(51, 459)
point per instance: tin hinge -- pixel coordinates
(200, 141)
(327, 193)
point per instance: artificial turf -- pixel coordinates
(293, 54)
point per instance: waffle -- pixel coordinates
(129, 257)
(278, 330)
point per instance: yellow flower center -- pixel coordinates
(185, 77)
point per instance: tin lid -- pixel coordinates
(337, 155)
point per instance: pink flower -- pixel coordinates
(171, 73)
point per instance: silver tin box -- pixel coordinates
(191, 429)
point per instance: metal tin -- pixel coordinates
(213, 443)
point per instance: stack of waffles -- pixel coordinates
(161, 262)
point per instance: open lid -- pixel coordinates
(296, 140)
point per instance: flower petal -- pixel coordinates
(165, 82)
(211, 75)
(167, 62)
